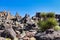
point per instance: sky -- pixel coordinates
(30, 6)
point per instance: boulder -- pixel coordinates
(49, 34)
(1, 38)
(9, 30)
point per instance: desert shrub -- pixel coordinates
(51, 22)
(43, 14)
(48, 23)
(42, 25)
(56, 28)
(50, 14)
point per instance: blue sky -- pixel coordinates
(30, 6)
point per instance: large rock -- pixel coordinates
(1, 38)
(9, 29)
(48, 35)
(18, 17)
(25, 18)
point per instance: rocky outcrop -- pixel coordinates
(49, 34)
(17, 26)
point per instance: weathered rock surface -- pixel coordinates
(49, 34)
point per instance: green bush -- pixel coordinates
(42, 25)
(51, 22)
(50, 14)
(43, 14)
(56, 28)
(48, 23)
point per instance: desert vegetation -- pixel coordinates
(49, 21)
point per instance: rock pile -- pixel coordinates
(15, 26)
(24, 28)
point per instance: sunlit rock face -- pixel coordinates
(9, 16)
(4, 13)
